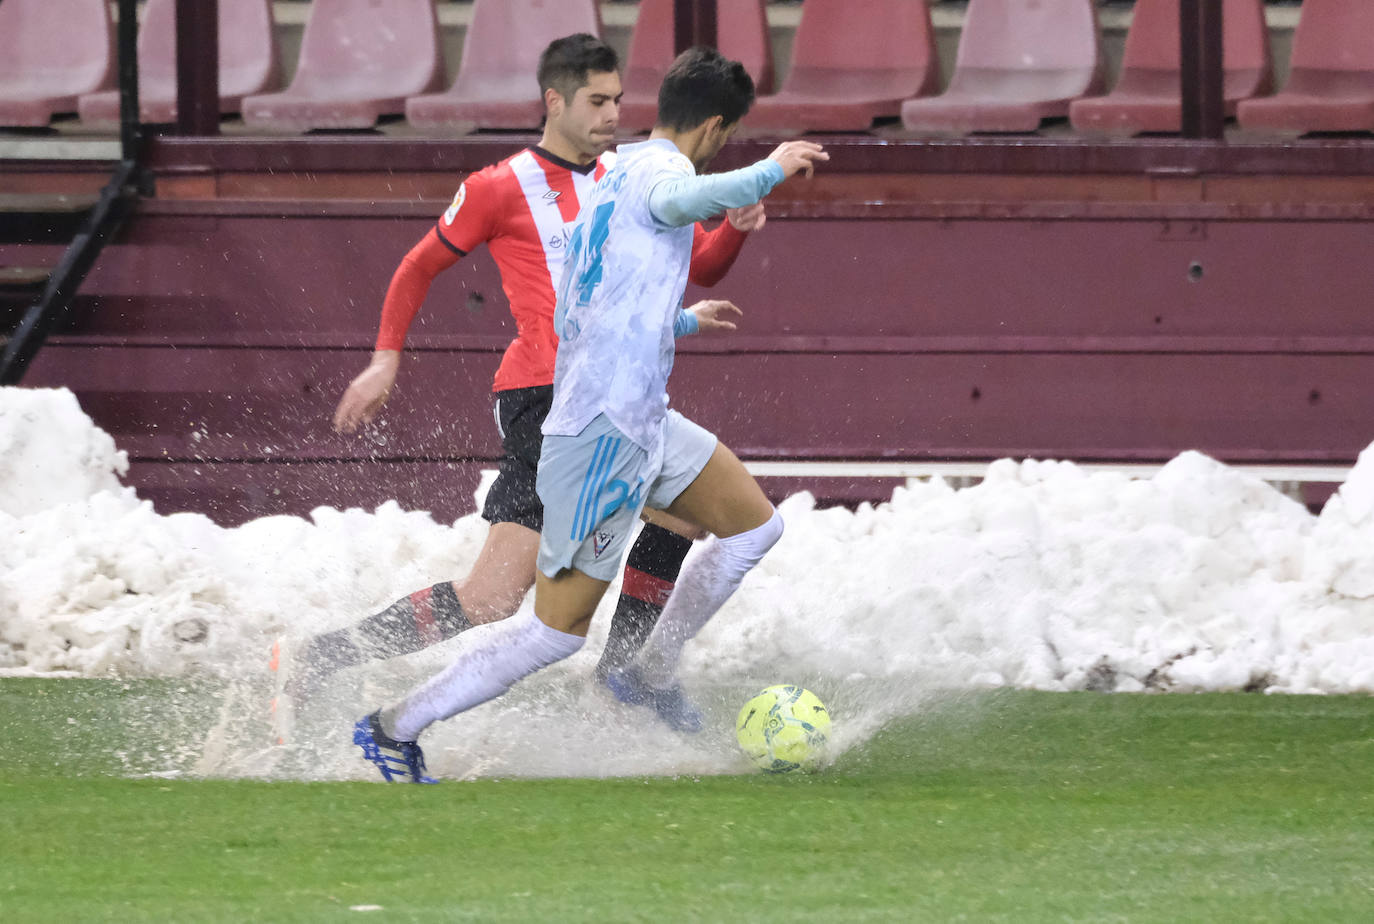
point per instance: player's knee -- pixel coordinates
(745, 550)
(485, 602)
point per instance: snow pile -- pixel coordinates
(1041, 576)
(50, 453)
(93, 581)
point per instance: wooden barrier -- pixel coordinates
(1109, 311)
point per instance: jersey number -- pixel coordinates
(588, 266)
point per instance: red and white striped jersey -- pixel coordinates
(523, 209)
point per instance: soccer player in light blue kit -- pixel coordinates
(611, 445)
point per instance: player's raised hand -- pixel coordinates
(365, 395)
(748, 218)
(715, 314)
(798, 156)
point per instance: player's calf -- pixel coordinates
(412, 623)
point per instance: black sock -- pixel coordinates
(412, 623)
(650, 571)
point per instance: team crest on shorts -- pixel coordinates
(601, 539)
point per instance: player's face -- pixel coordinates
(588, 121)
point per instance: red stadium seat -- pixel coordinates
(1018, 63)
(52, 51)
(742, 27)
(360, 60)
(850, 67)
(1147, 96)
(248, 61)
(496, 85)
(1331, 83)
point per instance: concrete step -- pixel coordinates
(42, 218)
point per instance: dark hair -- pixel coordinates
(567, 61)
(702, 83)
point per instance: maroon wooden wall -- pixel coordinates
(1106, 314)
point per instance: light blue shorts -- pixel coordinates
(594, 485)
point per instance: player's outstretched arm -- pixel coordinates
(681, 200)
(684, 199)
(363, 399)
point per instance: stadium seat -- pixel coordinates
(496, 85)
(359, 61)
(51, 52)
(850, 68)
(248, 61)
(1018, 63)
(742, 27)
(1331, 81)
(1147, 96)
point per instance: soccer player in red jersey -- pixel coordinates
(521, 208)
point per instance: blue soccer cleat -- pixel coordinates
(671, 704)
(399, 761)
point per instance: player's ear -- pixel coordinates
(553, 103)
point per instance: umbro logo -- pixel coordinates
(552, 194)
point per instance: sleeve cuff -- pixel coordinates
(686, 324)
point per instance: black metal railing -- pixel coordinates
(97, 227)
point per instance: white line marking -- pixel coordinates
(1299, 473)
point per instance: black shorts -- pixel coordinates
(520, 414)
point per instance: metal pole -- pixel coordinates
(694, 23)
(130, 127)
(1211, 76)
(197, 67)
(1200, 61)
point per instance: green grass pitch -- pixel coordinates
(1002, 806)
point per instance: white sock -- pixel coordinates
(703, 587)
(493, 657)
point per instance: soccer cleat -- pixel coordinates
(671, 704)
(401, 761)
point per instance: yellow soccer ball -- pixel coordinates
(784, 728)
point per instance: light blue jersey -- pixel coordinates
(623, 282)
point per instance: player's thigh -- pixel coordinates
(567, 601)
(724, 498)
(513, 497)
(592, 488)
(502, 574)
(672, 523)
